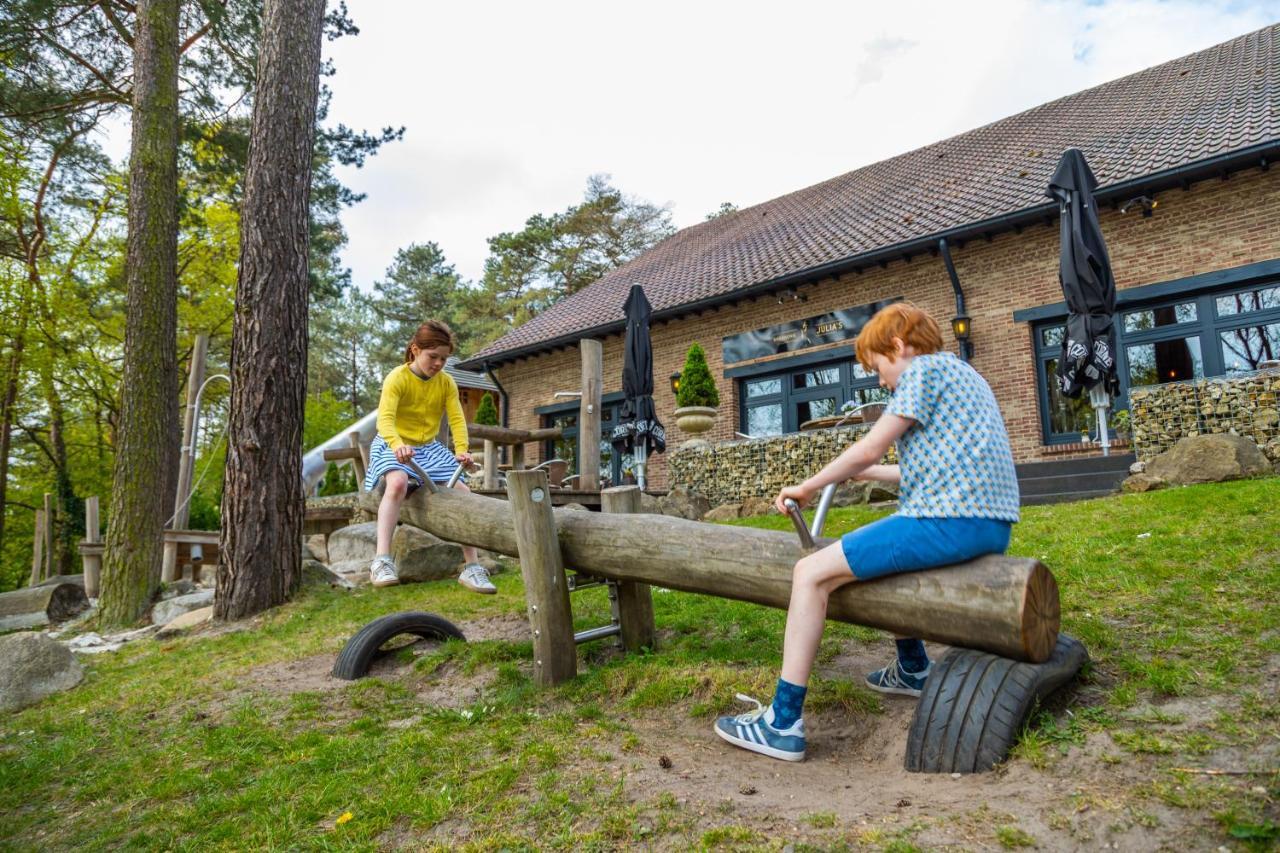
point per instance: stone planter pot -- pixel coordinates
(695, 420)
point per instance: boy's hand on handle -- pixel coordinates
(799, 494)
(404, 453)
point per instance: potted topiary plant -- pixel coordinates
(486, 415)
(697, 396)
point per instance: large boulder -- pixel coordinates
(316, 573)
(354, 572)
(1142, 482)
(166, 611)
(185, 622)
(850, 493)
(880, 492)
(724, 512)
(683, 502)
(1209, 459)
(421, 557)
(758, 506)
(32, 666)
(354, 542)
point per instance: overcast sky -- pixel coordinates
(508, 107)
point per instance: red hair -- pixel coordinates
(900, 320)
(430, 335)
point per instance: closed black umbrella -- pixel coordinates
(638, 432)
(1088, 358)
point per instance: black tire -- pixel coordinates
(974, 705)
(366, 646)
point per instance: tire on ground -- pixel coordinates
(975, 703)
(365, 647)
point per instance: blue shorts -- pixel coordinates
(897, 544)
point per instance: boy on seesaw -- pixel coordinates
(958, 500)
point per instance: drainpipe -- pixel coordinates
(502, 398)
(966, 347)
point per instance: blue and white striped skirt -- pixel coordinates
(433, 457)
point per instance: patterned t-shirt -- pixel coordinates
(955, 459)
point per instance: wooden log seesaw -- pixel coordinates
(999, 614)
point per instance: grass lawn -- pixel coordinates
(235, 739)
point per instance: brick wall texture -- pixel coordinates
(1212, 226)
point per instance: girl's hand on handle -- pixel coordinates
(464, 459)
(404, 453)
(799, 494)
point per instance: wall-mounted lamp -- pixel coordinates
(1146, 202)
(675, 382)
(791, 295)
(962, 328)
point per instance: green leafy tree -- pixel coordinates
(697, 388)
(487, 412)
(559, 254)
(726, 207)
(419, 285)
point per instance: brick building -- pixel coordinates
(1189, 208)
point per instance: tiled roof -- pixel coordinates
(467, 378)
(1222, 100)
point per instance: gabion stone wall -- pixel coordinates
(731, 471)
(1247, 406)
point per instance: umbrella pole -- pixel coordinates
(1101, 401)
(640, 462)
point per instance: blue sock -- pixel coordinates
(912, 656)
(788, 701)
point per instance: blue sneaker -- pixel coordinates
(894, 679)
(754, 731)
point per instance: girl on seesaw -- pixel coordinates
(415, 396)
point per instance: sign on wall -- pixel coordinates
(801, 334)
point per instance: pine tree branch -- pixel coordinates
(116, 23)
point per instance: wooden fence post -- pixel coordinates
(361, 463)
(37, 549)
(92, 562)
(490, 465)
(555, 654)
(49, 521)
(635, 600)
(589, 414)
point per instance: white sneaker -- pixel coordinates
(475, 578)
(382, 572)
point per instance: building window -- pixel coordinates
(781, 402)
(612, 465)
(1197, 336)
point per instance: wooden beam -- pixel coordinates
(555, 654)
(37, 549)
(360, 461)
(504, 435)
(39, 605)
(1005, 605)
(49, 525)
(92, 563)
(589, 414)
(635, 599)
(490, 464)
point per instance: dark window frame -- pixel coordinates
(790, 397)
(610, 405)
(1207, 327)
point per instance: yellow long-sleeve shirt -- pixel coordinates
(410, 409)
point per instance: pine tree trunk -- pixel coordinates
(262, 504)
(13, 372)
(148, 412)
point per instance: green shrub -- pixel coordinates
(487, 412)
(337, 481)
(697, 388)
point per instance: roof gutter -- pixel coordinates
(1259, 156)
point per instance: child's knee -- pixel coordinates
(806, 571)
(397, 484)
